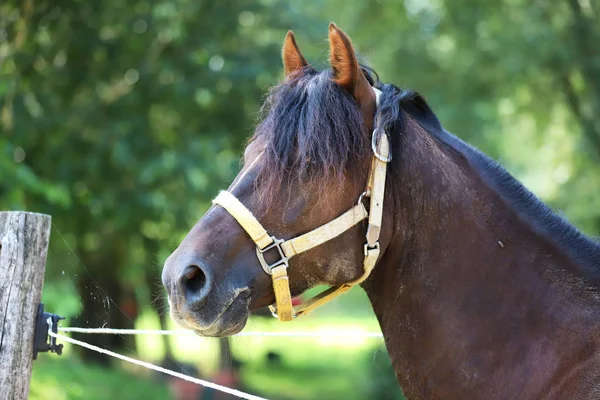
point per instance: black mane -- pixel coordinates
(313, 132)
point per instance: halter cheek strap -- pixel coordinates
(286, 249)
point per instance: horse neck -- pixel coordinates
(466, 292)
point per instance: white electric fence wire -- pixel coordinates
(110, 331)
(153, 367)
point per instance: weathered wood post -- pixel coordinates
(24, 241)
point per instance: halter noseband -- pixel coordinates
(289, 248)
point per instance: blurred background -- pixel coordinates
(122, 119)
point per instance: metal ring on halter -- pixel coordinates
(273, 310)
(364, 194)
(374, 140)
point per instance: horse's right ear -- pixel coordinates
(293, 60)
(348, 74)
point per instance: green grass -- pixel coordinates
(318, 379)
(319, 376)
(67, 378)
(311, 368)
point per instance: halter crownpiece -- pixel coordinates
(286, 249)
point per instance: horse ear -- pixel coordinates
(293, 60)
(347, 71)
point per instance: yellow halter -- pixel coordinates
(289, 248)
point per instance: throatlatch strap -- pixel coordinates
(244, 217)
(329, 294)
(326, 232)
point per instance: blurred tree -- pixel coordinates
(121, 120)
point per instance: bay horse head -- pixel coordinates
(481, 290)
(296, 214)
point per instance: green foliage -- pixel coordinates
(122, 120)
(125, 117)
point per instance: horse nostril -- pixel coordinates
(193, 283)
(194, 279)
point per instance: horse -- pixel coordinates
(480, 289)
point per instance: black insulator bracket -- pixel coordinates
(42, 342)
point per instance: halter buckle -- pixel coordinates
(368, 247)
(282, 258)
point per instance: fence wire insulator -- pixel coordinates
(42, 343)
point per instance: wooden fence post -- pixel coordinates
(24, 241)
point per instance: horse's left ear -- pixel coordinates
(347, 71)
(293, 60)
